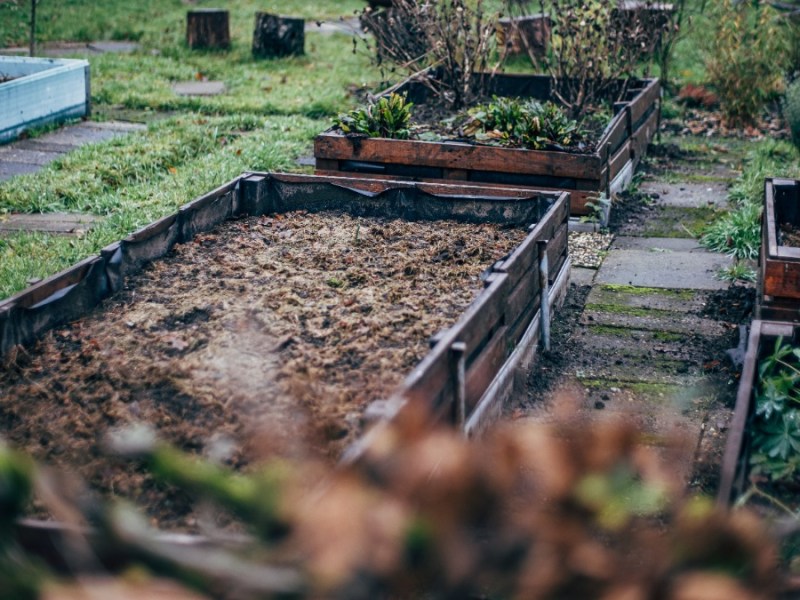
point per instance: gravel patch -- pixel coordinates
(588, 249)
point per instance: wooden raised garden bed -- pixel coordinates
(265, 304)
(736, 460)
(40, 91)
(585, 176)
(779, 276)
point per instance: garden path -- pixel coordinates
(644, 336)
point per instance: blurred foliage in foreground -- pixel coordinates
(567, 510)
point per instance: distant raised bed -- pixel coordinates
(585, 176)
(779, 277)
(289, 316)
(41, 91)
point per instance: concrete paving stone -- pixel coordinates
(199, 88)
(41, 145)
(113, 47)
(629, 297)
(665, 322)
(116, 126)
(582, 276)
(348, 26)
(12, 169)
(31, 157)
(688, 195)
(79, 135)
(663, 265)
(61, 223)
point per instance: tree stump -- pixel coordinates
(208, 28)
(276, 36)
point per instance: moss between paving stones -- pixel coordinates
(646, 291)
(653, 391)
(628, 333)
(632, 311)
(680, 222)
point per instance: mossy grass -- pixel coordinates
(137, 179)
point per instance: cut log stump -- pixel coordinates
(208, 28)
(275, 36)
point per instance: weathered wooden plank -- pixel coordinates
(644, 101)
(618, 161)
(525, 294)
(485, 367)
(483, 316)
(525, 255)
(618, 131)
(453, 155)
(557, 248)
(642, 137)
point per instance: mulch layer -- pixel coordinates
(267, 336)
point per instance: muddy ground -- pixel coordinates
(268, 335)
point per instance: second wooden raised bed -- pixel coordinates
(585, 176)
(779, 276)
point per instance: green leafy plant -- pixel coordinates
(388, 117)
(776, 423)
(747, 54)
(522, 123)
(791, 110)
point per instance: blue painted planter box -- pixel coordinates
(41, 91)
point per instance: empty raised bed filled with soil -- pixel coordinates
(603, 170)
(267, 334)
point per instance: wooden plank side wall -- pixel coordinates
(496, 321)
(734, 463)
(454, 155)
(779, 276)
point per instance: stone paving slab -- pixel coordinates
(22, 155)
(582, 276)
(688, 195)
(662, 263)
(59, 223)
(678, 301)
(199, 88)
(654, 320)
(12, 169)
(347, 26)
(40, 145)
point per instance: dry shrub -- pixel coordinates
(447, 44)
(747, 54)
(594, 45)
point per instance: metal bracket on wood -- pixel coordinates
(544, 283)
(458, 366)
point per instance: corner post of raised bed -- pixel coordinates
(276, 36)
(544, 283)
(255, 201)
(208, 28)
(458, 371)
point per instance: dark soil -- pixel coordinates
(732, 305)
(631, 210)
(266, 336)
(790, 235)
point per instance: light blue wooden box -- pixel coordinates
(42, 91)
